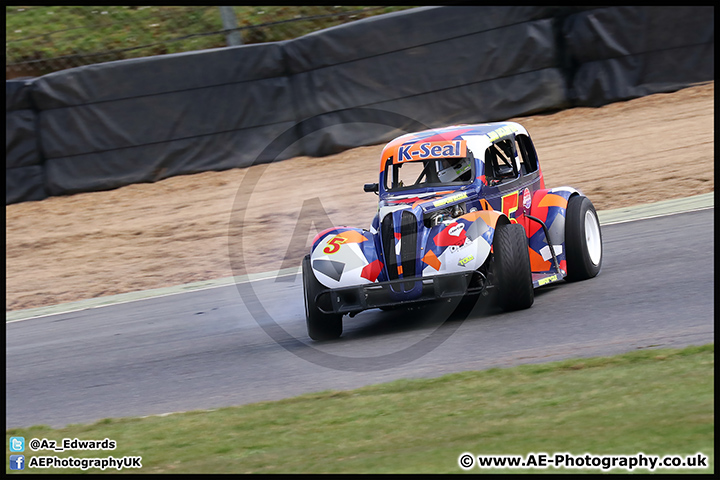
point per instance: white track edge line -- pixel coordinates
(227, 281)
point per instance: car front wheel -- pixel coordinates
(320, 326)
(512, 268)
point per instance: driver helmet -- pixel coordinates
(451, 169)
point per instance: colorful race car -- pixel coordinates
(463, 210)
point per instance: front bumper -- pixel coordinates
(374, 295)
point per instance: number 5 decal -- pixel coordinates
(510, 204)
(334, 244)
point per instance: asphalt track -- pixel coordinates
(215, 347)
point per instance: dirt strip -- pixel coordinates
(175, 231)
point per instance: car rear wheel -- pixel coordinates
(320, 326)
(512, 268)
(583, 239)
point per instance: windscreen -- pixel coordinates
(428, 172)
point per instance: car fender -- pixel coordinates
(462, 245)
(345, 256)
(550, 207)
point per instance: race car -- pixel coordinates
(463, 211)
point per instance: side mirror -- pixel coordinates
(371, 187)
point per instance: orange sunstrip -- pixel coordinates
(553, 200)
(424, 151)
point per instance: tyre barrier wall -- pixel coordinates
(435, 65)
(24, 172)
(107, 125)
(142, 120)
(629, 52)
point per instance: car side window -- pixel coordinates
(526, 154)
(501, 164)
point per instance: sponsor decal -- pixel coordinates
(464, 261)
(547, 280)
(445, 238)
(501, 132)
(450, 199)
(428, 150)
(527, 199)
(456, 230)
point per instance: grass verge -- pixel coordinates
(42, 39)
(658, 402)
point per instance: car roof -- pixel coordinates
(483, 135)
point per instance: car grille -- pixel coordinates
(388, 240)
(408, 246)
(408, 230)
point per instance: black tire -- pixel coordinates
(513, 276)
(320, 326)
(583, 239)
